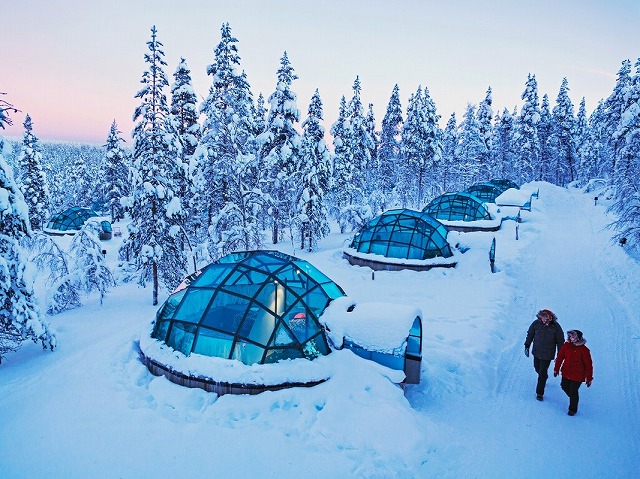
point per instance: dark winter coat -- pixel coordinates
(574, 362)
(546, 339)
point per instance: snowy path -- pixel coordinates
(571, 270)
(91, 409)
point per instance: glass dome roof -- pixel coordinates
(458, 206)
(485, 191)
(404, 234)
(504, 184)
(70, 220)
(253, 306)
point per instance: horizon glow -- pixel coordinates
(75, 66)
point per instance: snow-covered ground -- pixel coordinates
(91, 409)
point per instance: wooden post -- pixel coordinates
(492, 255)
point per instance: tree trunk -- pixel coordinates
(155, 283)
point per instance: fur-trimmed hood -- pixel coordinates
(577, 334)
(547, 313)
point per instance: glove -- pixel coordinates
(555, 374)
(589, 383)
(526, 351)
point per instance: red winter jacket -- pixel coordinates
(575, 361)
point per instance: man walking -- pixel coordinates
(547, 337)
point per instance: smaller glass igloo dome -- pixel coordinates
(254, 306)
(485, 191)
(69, 221)
(405, 234)
(504, 184)
(460, 206)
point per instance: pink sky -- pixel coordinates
(75, 66)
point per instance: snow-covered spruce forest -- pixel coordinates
(237, 172)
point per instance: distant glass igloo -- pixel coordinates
(256, 307)
(458, 206)
(485, 191)
(400, 239)
(490, 190)
(504, 184)
(69, 221)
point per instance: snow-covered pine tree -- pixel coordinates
(411, 147)
(154, 244)
(421, 150)
(471, 149)
(389, 155)
(280, 150)
(613, 108)
(226, 164)
(527, 142)
(374, 164)
(627, 165)
(115, 174)
(433, 153)
(580, 137)
(545, 168)
(315, 172)
(33, 182)
(90, 271)
(20, 315)
(504, 153)
(62, 290)
(184, 108)
(260, 116)
(449, 169)
(484, 116)
(237, 225)
(342, 177)
(78, 182)
(359, 144)
(565, 158)
(594, 152)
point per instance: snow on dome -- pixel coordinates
(514, 197)
(375, 326)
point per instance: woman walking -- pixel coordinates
(574, 361)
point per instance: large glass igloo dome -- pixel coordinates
(256, 307)
(460, 206)
(405, 234)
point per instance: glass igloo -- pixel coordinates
(405, 234)
(504, 184)
(256, 307)
(485, 191)
(69, 221)
(460, 206)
